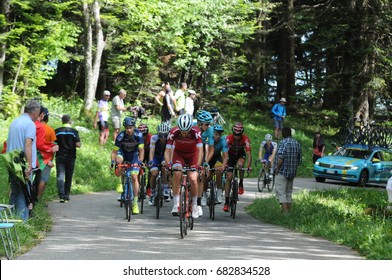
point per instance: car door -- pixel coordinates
(386, 165)
(375, 167)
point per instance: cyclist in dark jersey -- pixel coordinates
(156, 158)
(239, 150)
(129, 147)
(143, 128)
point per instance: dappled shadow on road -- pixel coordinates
(93, 227)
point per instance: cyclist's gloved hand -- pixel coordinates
(140, 162)
(249, 169)
(112, 164)
(150, 163)
(169, 166)
(206, 165)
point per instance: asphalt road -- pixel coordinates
(93, 227)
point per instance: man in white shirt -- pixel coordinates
(189, 106)
(180, 99)
(117, 109)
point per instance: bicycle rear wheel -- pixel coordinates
(183, 212)
(233, 198)
(158, 197)
(211, 199)
(260, 180)
(128, 199)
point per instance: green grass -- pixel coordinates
(352, 217)
(342, 210)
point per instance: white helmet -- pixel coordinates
(185, 122)
(164, 127)
(268, 137)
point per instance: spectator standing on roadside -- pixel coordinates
(46, 150)
(22, 136)
(180, 99)
(68, 140)
(318, 146)
(279, 113)
(102, 117)
(287, 159)
(189, 102)
(169, 104)
(117, 110)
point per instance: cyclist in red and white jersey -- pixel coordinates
(239, 150)
(184, 147)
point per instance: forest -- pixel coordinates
(330, 55)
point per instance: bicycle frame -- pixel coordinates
(127, 189)
(233, 198)
(186, 219)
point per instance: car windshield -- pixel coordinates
(357, 153)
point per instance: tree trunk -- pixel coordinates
(290, 92)
(93, 53)
(5, 10)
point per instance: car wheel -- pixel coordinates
(320, 179)
(363, 178)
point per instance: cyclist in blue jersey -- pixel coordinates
(219, 159)
(204, 119)
(129, 147)
(156, 158)
(270, 148)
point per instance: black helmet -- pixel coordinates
(129, 121)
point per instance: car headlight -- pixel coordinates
(317, 163)
(354, 167)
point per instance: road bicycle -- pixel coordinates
(127, 195)
(158, 199)
(233, 197)
(265, 180)
(142, 187)
(185, 207)
(212, 198)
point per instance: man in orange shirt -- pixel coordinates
(45, 148)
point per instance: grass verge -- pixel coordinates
(352, 217)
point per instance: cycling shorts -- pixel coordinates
(232, 162)
(182, 159)
(157, 160)
(132, 159)
(215, 158)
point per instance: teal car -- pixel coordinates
(357, 164)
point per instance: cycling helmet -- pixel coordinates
(164, 128)
(203, 116)
(143, 128)
(185, 122)
(268, 137)
(218, 128)
(129, 121)
(238, 128)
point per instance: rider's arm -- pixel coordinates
(225, 158)
(261, 152)
(152, 152)
(210, 152)
(141, 152)
(168, 154)
(200, 155)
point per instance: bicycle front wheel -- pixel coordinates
(233, 198)
(158, 198)
(183, 212)
(260, 180)
(142, 194)
(271, 183)
(211, 199)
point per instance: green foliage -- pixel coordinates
(338, 215)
